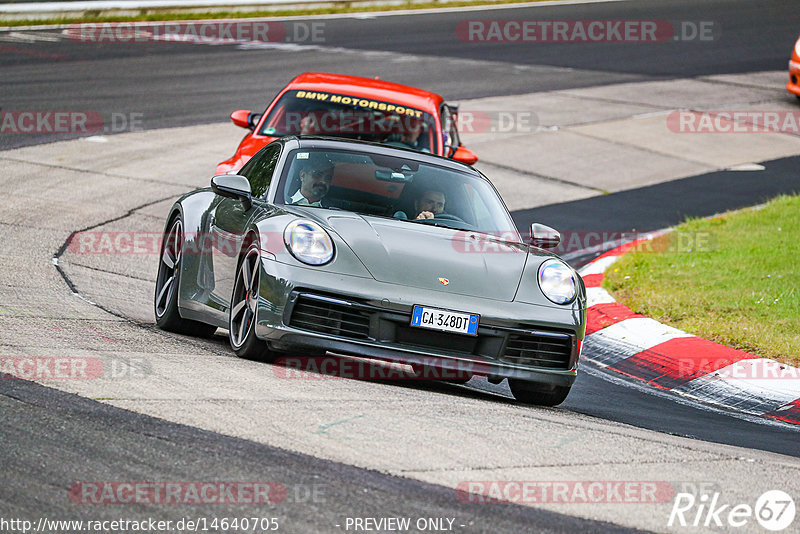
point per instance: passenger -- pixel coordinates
(309, 125)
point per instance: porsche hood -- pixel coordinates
(433, 258)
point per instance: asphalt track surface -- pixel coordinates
(319, 493)
(174, 84)
(46, 431)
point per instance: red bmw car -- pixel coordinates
(793, 85)
(354, 108)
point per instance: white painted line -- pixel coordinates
(31, 37)
(758, 369)
(627, 338)
(747, 167)
(639, 333)
(598, 266)
(598, 295)
(652, 114)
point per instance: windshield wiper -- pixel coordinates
(313, 206)
(439, 224)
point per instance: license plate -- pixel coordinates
(445, 320)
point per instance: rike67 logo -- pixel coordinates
(774, 510)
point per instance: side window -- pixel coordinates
(480, 213)
(259, 170)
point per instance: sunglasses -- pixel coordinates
(326, 174)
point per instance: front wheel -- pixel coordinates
(165, 300)
(536, 393)
(244, 307)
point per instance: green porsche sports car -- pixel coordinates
(322, 246)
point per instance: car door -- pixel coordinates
(229, 222)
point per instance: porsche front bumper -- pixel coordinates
(315, 312)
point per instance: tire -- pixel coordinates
(244, 305)
(538, 394)
(165, 299)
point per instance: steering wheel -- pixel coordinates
(448, 217)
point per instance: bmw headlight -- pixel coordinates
(308, 242)
(557, 281)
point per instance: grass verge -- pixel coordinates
(734, 279)
(164, 14)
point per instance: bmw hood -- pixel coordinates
(433, 258)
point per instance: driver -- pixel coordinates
(410, 137)
(316, 174)
(429, 204)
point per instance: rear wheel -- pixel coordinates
(536, 393)
(165, 300)
(244, 307)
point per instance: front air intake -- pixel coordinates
(551, 351)
(328, 316)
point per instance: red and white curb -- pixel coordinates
(669, 359)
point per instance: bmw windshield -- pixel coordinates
(398, 187)
(351, 117)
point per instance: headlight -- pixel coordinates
(308, 242)
(557, 281)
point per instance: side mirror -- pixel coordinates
(544, 237)
(245, 118)
(233, 186)
(465, 155)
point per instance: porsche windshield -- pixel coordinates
(321, 113)
(397, 187)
